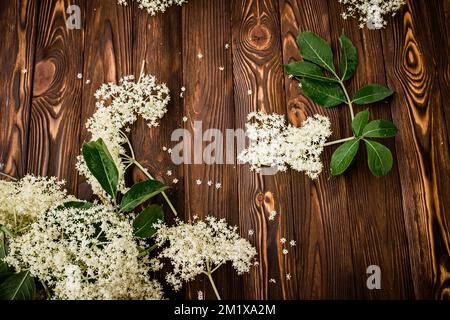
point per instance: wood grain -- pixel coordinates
(107, 58)
(209, 99)
(56, 97)
(18, 22)
(257, 64)
(321, 208)
(341, 225)
(418, 110)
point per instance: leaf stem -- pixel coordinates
(132, 160)
(163, 193)
(338, 141)
(349, 101)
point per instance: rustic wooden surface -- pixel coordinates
(341, 225)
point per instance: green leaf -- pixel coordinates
(315, 49)
(3, 266)
(343, 157)
(139, 193)
(19, 286)
(360, 121)
(75, 204)
(143, 224)
(349, 58)
(380, 129)
(322, 93)
(102, 166)
(308, 70)
(379, 158)
(371, 93)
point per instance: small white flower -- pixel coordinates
(24, 71)
(218, 185)
(169, 151)
(153, 6)
(272, 280)
(293, 243)
(227, 46)
(183, 89)
(249, 92)
(80, 76)
(88, 81)
(175, 181)
(185, 119)
(200, 56)
(251, 232)
(221, 68)
(272, 215)
(210, 183)
(164, 148)
(285, 251)
(283, 240)
(198, 182)
(288, 276)
(169, 173)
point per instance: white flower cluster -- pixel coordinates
(84, 254)
(277, 145)
(371, 13)
(202, 247)
(22, 201)
(154, 6)
(118, 106)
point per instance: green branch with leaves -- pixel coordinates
(325, 86)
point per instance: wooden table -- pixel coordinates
(341, 225)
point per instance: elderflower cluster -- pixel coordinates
(371, 13)
(154, 6)
(84, 254)
(22, 201)
(277, 145)
(202, 247)
(118, 107)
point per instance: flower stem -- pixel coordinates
(163, 193)
(211, 280)
(7, 176)
(338, 141)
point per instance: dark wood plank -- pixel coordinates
(56, 103)
(108, 57)
(18, 20)
(321, 220)
(422, 155)
(209, 99)
(378, 233)
(257, 64)
(159, 44)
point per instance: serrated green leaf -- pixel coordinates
(349, 58)
(371, 93)
(359, 122)
(316, 50)
(379, 158)
(343, 157)
(139, 193)
(19, 286)
(143, 224)
(325, 94)
(101, 165)
(308, 70)
(380, 129)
